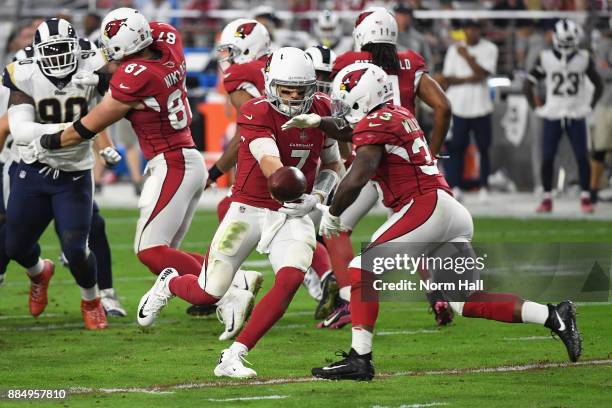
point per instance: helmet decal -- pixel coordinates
(244, 29)
(362, 17)
(351, 79)
(113, 27)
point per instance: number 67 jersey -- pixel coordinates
(162, 125)
(407, 168)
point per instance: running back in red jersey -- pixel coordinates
(248, 77)
(404, 83)
(162, 124)
(407, 168)
(300, 148)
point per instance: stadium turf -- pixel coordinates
(471, 363)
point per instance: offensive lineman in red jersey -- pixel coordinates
(255, 219)
(392, 150)
(148, 88)
(375, 35)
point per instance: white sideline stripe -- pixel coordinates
(8, 317)
(45, 327)
(407, 332)
(297, 380)
(427, 404)
(263, 397)
(84, 390)
(528, 338)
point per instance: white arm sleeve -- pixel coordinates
(23, 127)
(263, 146)
(330, 152)
(250, 89)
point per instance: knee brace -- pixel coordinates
(217, 276)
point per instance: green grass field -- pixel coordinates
(418, 364)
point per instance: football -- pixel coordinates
(287, 184)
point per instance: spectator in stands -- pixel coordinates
(408, 37)
(466, 69)
(91, 27)
(159, 10)
(602, 135)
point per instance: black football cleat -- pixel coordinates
(329, 298)
(353, 367)
(199, 311)
(562, 321)
(441, 308)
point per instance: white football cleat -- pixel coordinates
(230, 365)
(248, 280)
(111, 304)
(156, 298)
(313, 284)
(233, 310)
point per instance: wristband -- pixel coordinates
(51, 141)
(214, 173)
(83, 131)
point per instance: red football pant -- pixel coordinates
(272, 306)
(364, 298)
(503, 307)
(321, 263)
(161, 257)
(341, 254)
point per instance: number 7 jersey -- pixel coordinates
(407, 168)
(159, 84)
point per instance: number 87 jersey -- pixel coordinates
(162, 120)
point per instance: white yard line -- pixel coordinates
(528, 338)
(424, 405)
(407, 332)
(263, 397)
(298, 380)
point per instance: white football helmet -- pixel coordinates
(375, 25)
(243, 40)
(124, 32)
(357, 89)
(56, 47)
(327, 28)
(292, 68)
(566, 36)
(323, 60)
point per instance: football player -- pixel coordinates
(565, 68)
(392, 149)
(45, 97)
(255, 219)
(328, 32)
(375, 36)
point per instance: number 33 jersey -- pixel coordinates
(568, 93)
(158, 84)
(407, 168)
(59, 101)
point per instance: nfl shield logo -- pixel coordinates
(22, 174)
(242, 209)
(303, 135)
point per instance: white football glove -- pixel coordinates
(85, 78)
(305, 204)
(330, 224)
(110, 156)
(32, 152)
(304, 121)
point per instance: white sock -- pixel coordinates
(345, 293)
(89, 293)
(585, 194)
(534, 312)
(362, 341)
(325, 275)
(238, 348)
(36, 269)
(547, 195)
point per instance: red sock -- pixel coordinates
(321, 263)
(503, 307)
(161, 257)
(341, 254)
(187, 288)
(272, 306)
(364, 299)
(223, 206)
(198, 257)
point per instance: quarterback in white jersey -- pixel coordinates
(47, 93)
(565, 69)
